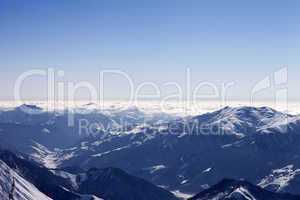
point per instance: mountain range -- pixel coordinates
(165, 153)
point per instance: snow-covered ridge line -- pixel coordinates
(181, 108)
(14, 186)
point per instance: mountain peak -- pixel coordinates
(240, 121)
(30, 109)
(248, 109)
(239, 190)
(117, 184)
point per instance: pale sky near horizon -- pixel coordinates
(153, 41)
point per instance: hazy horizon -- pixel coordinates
(172, 107)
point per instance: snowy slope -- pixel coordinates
(286, 179)
(239, 190)
(245, 121)
(23, 190)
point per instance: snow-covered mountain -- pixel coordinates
(14, 186)
(250, 134)
(239, 190)
(245, 121)
(115, 184)
(183, 154)
(76, 184)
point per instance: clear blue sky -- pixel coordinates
(221, 41)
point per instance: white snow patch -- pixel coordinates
(207, 170)
(108, 152)
(46, 131)
(182, 195)
(156, 168)
(184, 181)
